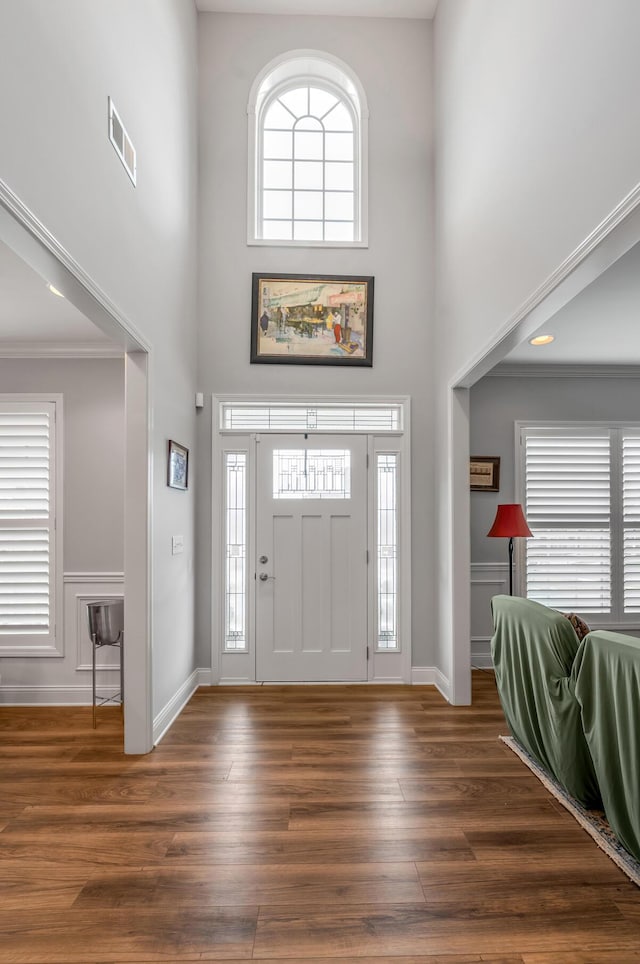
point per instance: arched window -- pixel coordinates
(307, 136)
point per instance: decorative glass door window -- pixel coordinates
(387, 550)
(312, 474)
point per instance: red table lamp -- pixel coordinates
(508, 523)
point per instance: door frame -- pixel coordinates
(240, 668)
(32, 241)
(616, 234)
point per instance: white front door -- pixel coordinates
(311, 558)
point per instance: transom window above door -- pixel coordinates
(307, 170)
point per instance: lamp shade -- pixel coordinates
(509, 522)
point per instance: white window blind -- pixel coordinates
(581, 493)
(631, 521)
(27, 522)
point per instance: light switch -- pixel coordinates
(177, 545)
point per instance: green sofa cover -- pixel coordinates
(533, 649)
(606, 675)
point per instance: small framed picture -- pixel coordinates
(177, 466)
(484, 473)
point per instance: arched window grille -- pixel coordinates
(308, 177)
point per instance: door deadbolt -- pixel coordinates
(263, 559)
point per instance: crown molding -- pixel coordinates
(619, 229)
(404, 9)
(95, 297)
(505, 370)
(46, 349)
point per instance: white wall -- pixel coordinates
(60, 62)
(535, 146)
(392, 59)
(92, 506)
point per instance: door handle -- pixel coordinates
(264, 576)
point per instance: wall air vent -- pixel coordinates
(122, 142)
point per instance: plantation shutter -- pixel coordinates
(568, 508)
(631, 520)
(27, 521)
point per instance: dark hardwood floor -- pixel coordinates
(309, 824)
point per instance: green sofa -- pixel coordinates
(533, 651)
(607, 687)
(574, 706)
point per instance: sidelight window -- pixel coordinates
(387, 550)
(235, 629)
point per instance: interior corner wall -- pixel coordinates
(392, 59)
(535, 146)
(59, 65)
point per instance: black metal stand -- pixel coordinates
(117, 697)
(511, 565)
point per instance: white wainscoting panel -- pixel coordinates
(80, 589)
(70, 681)
(487, 579)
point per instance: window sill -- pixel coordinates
(253, 242)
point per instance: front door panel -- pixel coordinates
(311, 592)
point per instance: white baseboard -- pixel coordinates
(431, 676)
(64, 695)
(235, 681)
(423, 675)
(481, 652)
(442, 683)
(172, 710)
(386, 681)
(243, 681)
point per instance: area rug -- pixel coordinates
(593, 821)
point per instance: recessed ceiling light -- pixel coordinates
(54, 291)
(542, 340)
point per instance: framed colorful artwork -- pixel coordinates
(309, 319)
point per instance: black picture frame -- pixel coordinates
(312, 319)
(177, 466)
